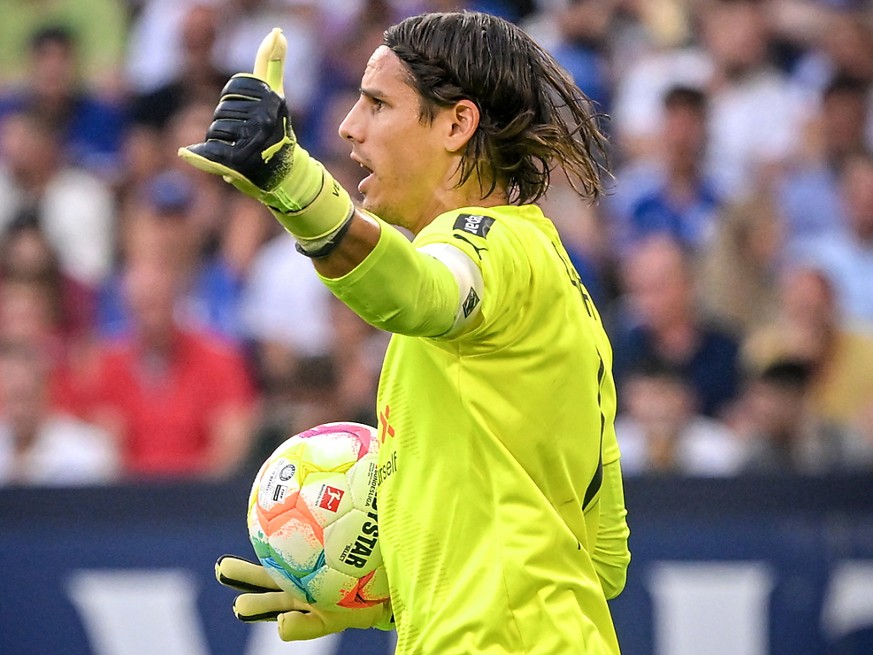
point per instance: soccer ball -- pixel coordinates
(312, 517)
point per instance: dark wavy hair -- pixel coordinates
(533, 118)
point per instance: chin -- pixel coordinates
(388, 213)
(375, 207)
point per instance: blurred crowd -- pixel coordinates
(156, 325)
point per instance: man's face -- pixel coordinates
(405, 157)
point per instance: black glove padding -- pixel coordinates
(250, 132)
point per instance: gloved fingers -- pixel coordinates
(225, 131)
(243, 575)
(301, 626)
(233, 109)
(206, 157)
(270, 60)
(266, 606)
(205, 163)
(245, 86)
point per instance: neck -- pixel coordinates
(469, 194)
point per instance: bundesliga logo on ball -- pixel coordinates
(312, 517)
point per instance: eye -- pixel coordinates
(377, 104)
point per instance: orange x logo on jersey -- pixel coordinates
(386, 427)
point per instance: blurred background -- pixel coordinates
(159, 335)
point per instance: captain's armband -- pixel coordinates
(470, 284)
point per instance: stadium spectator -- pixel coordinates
(89, 128)
(661, 431)
(808, 193)
(160, 221)
(808, 326)
(671, 192)
(356, 28)
(74, 208)
(99, 27)
(195, 78)
(577, 34)
(737, 273)
(782, 431)
(246, 22)
(658, 319)
(180, 401)
(755, 111)
(287, 323)
(300, 391)
(31, 313)
(227, 226)
(157, 40)
(838, 45)
(845, 253)
(40, 445)
(154, 43)
(25, 253)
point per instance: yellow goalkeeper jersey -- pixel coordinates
(491, 455)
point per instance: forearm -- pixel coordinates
(356, 245)
(380, 275)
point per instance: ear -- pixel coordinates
(463, 121)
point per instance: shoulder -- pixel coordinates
(470, 223)
(482, 228)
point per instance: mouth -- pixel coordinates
(366, 169)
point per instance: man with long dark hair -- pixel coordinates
(501, 513)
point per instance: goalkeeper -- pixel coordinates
(501, 510)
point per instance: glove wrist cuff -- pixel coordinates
(320, 248)
(318, 219)
(301, 185)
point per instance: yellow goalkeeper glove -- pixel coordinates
(250, 143)
(264, 600)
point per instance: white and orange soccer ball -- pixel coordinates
(312, 517)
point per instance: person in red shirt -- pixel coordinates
(179, 399)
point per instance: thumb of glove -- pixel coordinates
(270, 60)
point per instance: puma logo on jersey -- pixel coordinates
(478, 250)
(474, 224)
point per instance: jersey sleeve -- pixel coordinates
(398, 289)
(610, 554)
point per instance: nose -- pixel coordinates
(349, 128)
